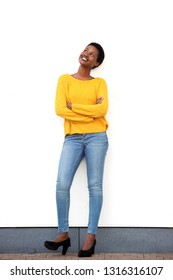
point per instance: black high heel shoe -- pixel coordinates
(51, 245)
(87, 253)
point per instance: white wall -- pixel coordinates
(42, 39)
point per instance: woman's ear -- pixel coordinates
(97, 64)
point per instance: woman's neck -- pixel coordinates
(83, 74)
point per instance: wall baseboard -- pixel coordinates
(109, 240)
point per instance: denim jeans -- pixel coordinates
(92, 146)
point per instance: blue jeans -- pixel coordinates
(92, 146)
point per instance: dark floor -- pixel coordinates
(96, 256)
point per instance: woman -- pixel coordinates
(83, 103)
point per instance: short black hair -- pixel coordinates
(101, 55)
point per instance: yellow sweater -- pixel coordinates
(86, 116)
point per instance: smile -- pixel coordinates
(84, 58)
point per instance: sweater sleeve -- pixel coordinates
(94, 110)
(61, 107)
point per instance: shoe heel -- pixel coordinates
(93, 250)
(66, 246)
(64, 250)
(93, 247)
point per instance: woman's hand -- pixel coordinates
(99, 100)
(69, 105)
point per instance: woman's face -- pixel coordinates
(88, 58)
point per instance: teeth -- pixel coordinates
(84, 58)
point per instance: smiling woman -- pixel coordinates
(138, 70)
(92, 56)
(82, 101)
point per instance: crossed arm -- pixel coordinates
(67, 111)
(98, 101)
(80, 112)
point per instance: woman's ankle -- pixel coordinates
(61, 236)
(89, 240)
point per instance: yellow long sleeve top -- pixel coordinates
(86, 116)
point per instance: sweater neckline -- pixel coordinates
(83, 81)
